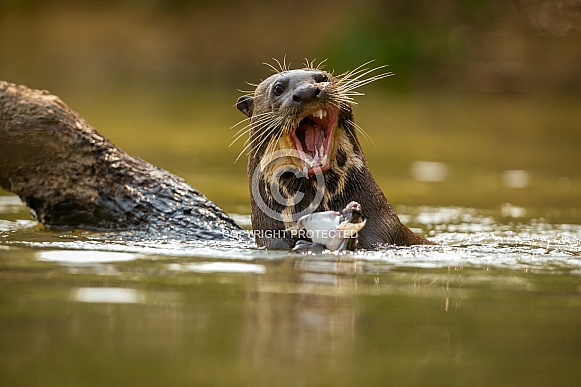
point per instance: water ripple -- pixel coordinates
(465, 238)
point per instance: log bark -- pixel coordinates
(72, 177)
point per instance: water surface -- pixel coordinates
(497, 302)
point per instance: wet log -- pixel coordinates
(72, 177)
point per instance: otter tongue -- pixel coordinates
(313, 138)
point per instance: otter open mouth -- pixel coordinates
(313, 136)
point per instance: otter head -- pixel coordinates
(304, 110)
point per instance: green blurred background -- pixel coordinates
(484, 107)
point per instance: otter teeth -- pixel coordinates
(320, 114)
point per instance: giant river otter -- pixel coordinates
(304, 156)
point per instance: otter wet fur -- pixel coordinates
(304, 155)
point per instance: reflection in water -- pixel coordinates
(219, 267)
(308, 319)
(10, 204)
(85, 256)
(6, 225)
(108, 295)
(303, 311)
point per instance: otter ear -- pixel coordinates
(245, 104)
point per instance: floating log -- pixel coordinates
(72, 177)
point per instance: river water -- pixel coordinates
(496, 303)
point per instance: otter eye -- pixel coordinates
(278, 89)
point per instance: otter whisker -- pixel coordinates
(348, 74)
(321, 65)
(347, 99)
(351, 86)
(259, 118)
(248, 145)
(309, 64)
(248, 119)
(341, 101)
(346, 104)
(236, 139)
(285, 67)
(363, 132)
(248, 128)
(267, 136)
(276, 71)
(355, 82)
(249, 92)
(243, 128)
(272, 142)
(265, 131)
(282, 66)
(358, 72)
(244, 131)
(267, 124)
(342, 94)
(339, 104)
(286, 126)
(264, 124)
(346, 88)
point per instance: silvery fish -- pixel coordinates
(331, 229)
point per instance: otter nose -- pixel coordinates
(306, 93)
